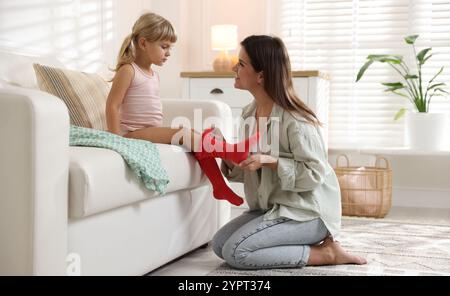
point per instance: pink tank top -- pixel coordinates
(141, 106)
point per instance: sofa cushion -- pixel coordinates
(99, 179)
(84, 94)
(17, 69)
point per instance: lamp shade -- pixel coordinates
(224, 37)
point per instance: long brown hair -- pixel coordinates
(153, 28)
(269, 55)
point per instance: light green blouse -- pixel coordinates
(304, 186)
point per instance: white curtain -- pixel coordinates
(337, 36)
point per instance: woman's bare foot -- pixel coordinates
(331, 253)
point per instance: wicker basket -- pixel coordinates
(365, 191)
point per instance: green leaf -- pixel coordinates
(421, 55)
(426, 58)
(409, 76)
(435, 85)
(400, 113)
(363, 69)
(386, 58)
(393, 86)
(411, 39)
(437, 74)
(441, 90)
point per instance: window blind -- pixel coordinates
(337, 36)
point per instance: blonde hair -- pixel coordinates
(150, 26)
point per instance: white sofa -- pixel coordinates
(80, 210)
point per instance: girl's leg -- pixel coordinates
(220, 187)
(206, 145)
(189, 138)
(217, 147)
(167, 135)
(224, 233)
(280, 243)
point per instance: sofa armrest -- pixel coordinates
(34, 157)
(198, 114)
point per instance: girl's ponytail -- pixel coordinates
(126, 53)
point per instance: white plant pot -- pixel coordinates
(425, 131)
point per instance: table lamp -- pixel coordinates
(223, 39)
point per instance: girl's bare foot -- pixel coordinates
(331, 253)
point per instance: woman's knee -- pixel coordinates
(235, 254)
(218, 241)
(217, 245)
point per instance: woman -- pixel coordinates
(292, 192)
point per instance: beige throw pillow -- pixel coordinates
(84, 94)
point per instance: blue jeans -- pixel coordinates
(249, 242)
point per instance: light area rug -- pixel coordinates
(390, 247)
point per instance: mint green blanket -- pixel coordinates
(141, 156)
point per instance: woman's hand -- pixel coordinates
(256, 161)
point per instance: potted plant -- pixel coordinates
(424, 130)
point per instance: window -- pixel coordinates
(337, 36)
(79, 34)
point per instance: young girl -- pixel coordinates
(293, 193)
(134, 108)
